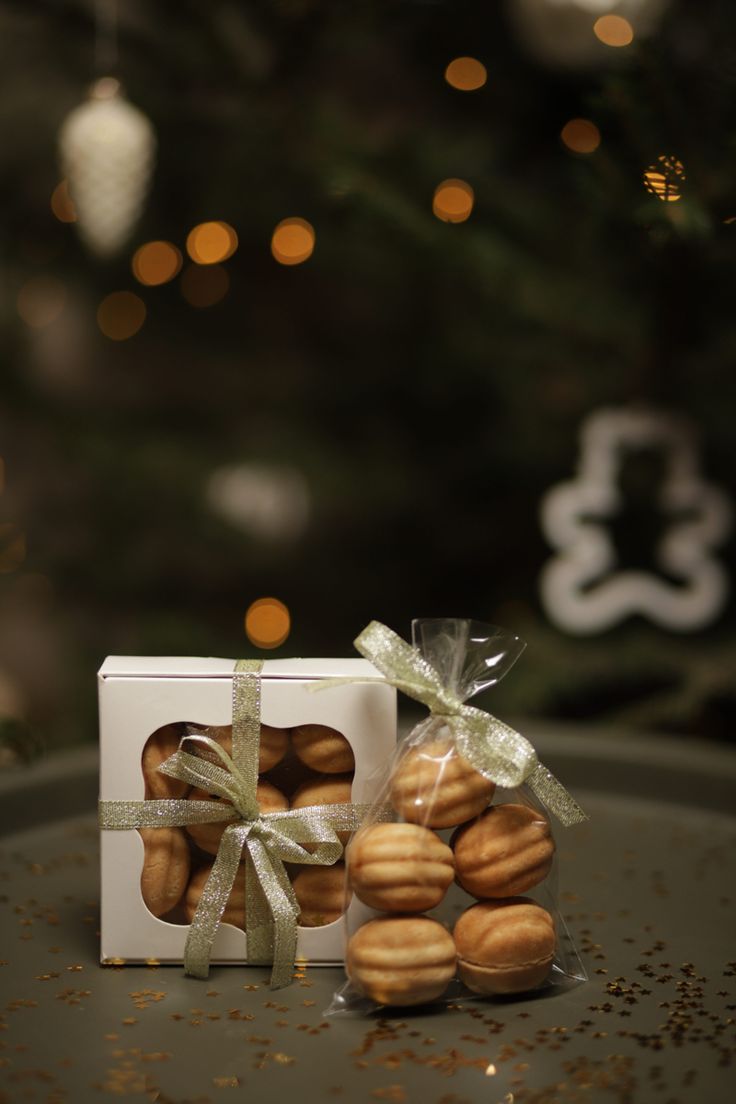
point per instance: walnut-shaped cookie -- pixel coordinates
(165, 868)
(505, 946)
(434, 785)
(322, 748)
(401, 960)
(334, 789)
(272, 748)
(399, 867)
(159, 746)
(320, 891)
(504, 852)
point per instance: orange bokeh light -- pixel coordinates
(293, 241)
(581, 136)
(267, 622)
(466, 74)
(613, 30)
(453, 201)
(211, 242)
(155, 263)
(120, 315)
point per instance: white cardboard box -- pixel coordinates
(138, 695)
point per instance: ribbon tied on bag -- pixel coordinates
(265, 840)
(497, 751)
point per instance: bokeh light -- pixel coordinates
(12, 547)
(267, 501)
(211, 243)
(204, 286)
(581, 136)
(466, 74)
(156, 263)
(613, 30)
(267, 622)
(293, 241)
(453, 201)
(41, 301)
(664, 178)
(62, 204)
(120, 315)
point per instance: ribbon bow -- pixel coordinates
(267, 839)
(492, 747)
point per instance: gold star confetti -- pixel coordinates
(395, 1093)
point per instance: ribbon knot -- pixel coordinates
(444, 703)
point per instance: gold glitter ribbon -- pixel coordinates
(267, 839)
(500, 754)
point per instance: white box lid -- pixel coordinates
(211, 667)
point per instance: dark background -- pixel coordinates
(421, 383)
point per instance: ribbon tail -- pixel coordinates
(258, 925)
(553, 794)
(280, 919)
(206, 919)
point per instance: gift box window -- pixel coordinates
(315, 748)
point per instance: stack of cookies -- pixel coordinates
(504, 942)
(308, 764)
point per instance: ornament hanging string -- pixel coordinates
(106, 37)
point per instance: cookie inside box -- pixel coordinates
(309, 764)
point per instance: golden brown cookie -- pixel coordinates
(504, 852)
(401, 960)
(323, 749)
(435, 786)
(321, 893)
(399, 867)
(333, 790)
(208, 836)
(271, 749)
(165, 868)
(234, 909)
(158, 747)
(504, 946)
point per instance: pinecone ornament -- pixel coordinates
(107, 149)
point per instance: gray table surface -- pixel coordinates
(648, 888)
